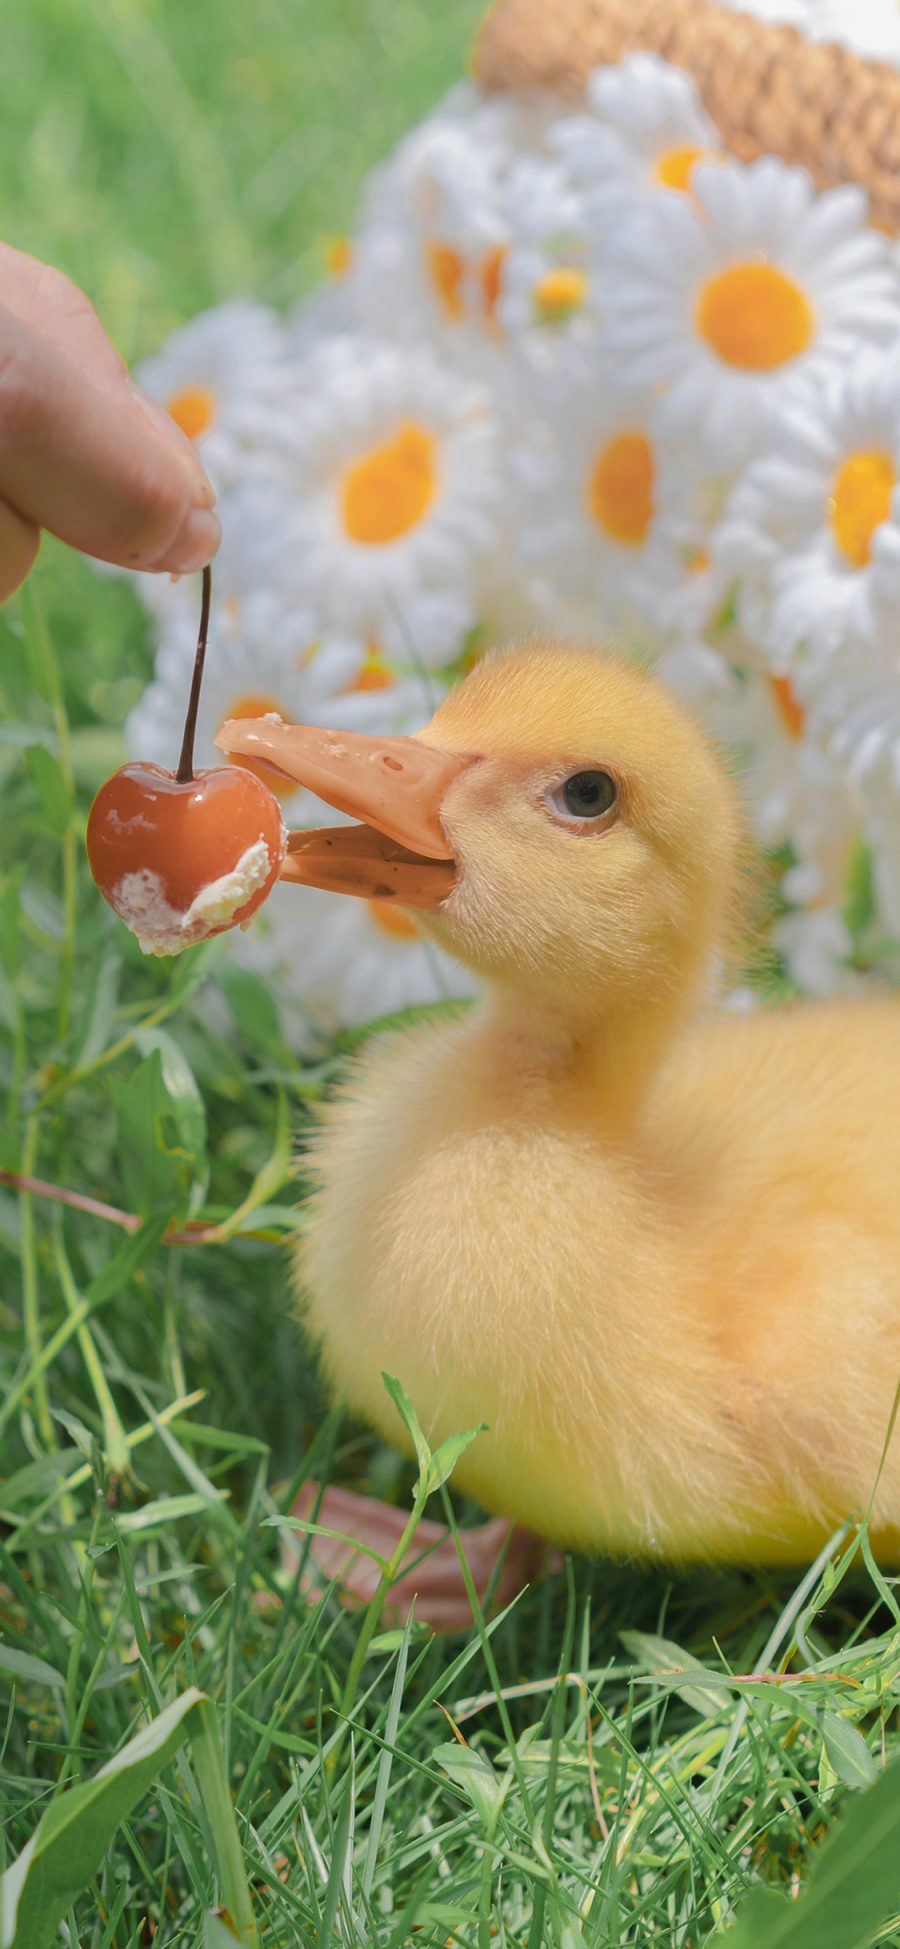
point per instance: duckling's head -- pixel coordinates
(561, 822)
(595, 838)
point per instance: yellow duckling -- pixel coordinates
(655, 1250)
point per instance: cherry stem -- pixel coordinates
(185, 770)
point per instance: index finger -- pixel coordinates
(85, 461)
(47, 301)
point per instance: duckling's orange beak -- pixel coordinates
(395, 786)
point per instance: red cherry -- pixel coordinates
(180, 860)
(181, 857)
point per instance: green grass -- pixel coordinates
(160, 1405)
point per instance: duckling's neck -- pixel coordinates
(608, 1056)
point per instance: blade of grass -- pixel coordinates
(31, 1295)
(206, 1752)
(115, 1449)
(383, 1778)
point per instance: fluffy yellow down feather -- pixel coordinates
(655, 1248)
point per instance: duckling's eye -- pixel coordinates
(586, 795)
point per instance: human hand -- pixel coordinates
(84, 453)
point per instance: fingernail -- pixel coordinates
(203, 490)
(194, 545)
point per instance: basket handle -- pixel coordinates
(768, 89)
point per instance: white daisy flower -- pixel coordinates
(795, 795)
(548, 299)
(389, 465)
(854, 711)
(881, 829)
(215, 377)
(608, 516)
(699, 672)
(343, 961)
(430, 631)
(428, 257)
(380, 700)
(855, 714)
(816, 947)
(793, 790)
(812, 532)
(730, 302)
(646, 129)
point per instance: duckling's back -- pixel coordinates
(784, 1127)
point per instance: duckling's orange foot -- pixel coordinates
(430, 1572)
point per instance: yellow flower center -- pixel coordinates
(193, 409)
(373, 672)
(560, 292)
(755, 317)
(860, 501)
(791, 712)
(338, 255)
(392, 920)
(675, 169)
(387, 493)
(447, 270)
(620, 489)
(259, 706)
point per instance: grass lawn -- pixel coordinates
(160, 1407)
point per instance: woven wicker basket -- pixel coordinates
(768, 89)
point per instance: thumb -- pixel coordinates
(96, 464)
